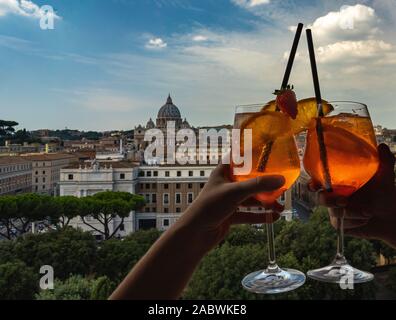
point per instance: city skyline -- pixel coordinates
(109, 66)
(134, 126)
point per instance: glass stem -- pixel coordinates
(272, 266)
(340, 257)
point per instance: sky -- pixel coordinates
(110, 64)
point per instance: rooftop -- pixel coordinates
(12, 160)
(104, 164)
(177, 165)
(48, 156)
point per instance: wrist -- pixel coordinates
(199, 238)
(193, 237)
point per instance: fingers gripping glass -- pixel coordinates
(268, 145)
(341, 156)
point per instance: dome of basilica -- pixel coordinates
(169, 110)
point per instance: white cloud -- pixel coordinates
(156, 43)
(250, 3)
(199, 38)
(347, 51)
(350, 36)
(349, 23)
(25, 8)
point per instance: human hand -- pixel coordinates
(370, 213)
(166, 268)
(215, 209)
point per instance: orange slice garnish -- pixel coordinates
(266, 127)
(307, 110)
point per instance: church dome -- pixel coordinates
(185, 124)
(169, 110)
(150, 124)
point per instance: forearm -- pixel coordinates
(164, 272)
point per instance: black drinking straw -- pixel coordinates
(319, 126)
(293, 52)
(266, 151)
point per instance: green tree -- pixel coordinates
(7, 128)
(103, 288)
(145, 238)
(78, 288)
(6, 251)
(116, 258)
(17, 281)
(68, 251)
(8, 212)
(18, 212)
(104, 207)
(302, 246)
(245, 234)
(67, 208)
(221, 271)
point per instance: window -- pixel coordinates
(190, 173)
(178, 210)
(154, 209)
(190, 186)
(283, 197)
(166, 186)
(122, 176)
(141, 173)
(190, 197)
(122, 227)
(43, 180)
(44, 172)
(36, 173)
(166, 198)
(147, 210)
(178, 186)
(141, 186)
(36, 188)
(43, 187)
(71, 177)
(167, 174)
(147, 197)
(179, 173)
(202, 173)
(166, 222)
(178, 198)
(202, 185)
(36, 180)
(147, 186)
(166, 210)
(155, 173)
(154, 198)
(154, 186)
(148, 173)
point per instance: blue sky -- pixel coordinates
(109, 64)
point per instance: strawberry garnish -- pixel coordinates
(287, 101)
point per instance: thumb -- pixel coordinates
(248, 188)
